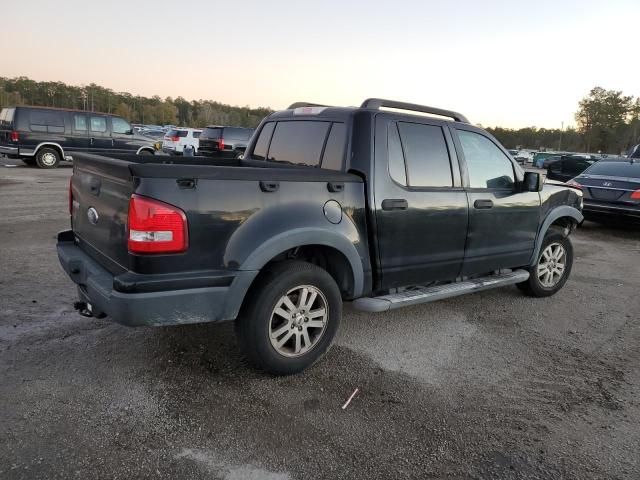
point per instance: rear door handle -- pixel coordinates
(483, 204)
(395, 204)
(269, 186)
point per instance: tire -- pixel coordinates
(145, 152)
(260, 329)
(47, 157)
(239, 156)
(545, 283)
(29, 161)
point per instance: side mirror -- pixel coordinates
(532, 182)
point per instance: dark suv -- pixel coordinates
(224, 142)
(45, 136)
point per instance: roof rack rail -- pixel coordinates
(377, 103)
(304, 104)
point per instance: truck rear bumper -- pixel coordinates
(158, 307)
(6, 150)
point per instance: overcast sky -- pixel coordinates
(509, 63)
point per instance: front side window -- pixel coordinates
(98, 124)
(298, 142)
(120, 125)
(488, 166)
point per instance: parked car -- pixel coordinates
(569, 166)
(43, 136)
(384, 208)
(177, 139)
(224, 142)
(549, 160)
(611, 189)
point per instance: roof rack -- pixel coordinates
(377, 103)
(305, 104)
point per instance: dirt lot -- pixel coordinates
(493, 385)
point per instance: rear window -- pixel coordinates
(211, 132)
(6, 117)
(46, 121)
(238, 133)
(615, 169)
(177, 133)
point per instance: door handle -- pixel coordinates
(395, 204)
(269, 186)
(483, 204)
(91, 141)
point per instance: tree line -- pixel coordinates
(135, 108)
(607, 121)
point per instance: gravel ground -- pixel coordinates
(492, 385)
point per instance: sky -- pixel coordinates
(501, 63)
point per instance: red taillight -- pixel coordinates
(174, 139)
(14, 137)
(574, 184)
(70, 196)
(635, 195)
(221, 144)
(156, 227)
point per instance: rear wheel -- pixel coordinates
(47, 157)
(553, 267)
(290, 318)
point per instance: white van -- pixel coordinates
(177, 138)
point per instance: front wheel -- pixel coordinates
(290, 318)
(553, 267)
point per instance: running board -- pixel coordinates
(431, 294)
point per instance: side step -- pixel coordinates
(431, 294)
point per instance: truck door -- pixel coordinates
(503, 221)
(420, 206)
(99, 138)
(79, 132)
(122, 136)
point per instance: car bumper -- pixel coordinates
(6, 150)
(606, 209)
(188, 302)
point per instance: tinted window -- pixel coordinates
(396, 158)
(262, 145)
(196, 134)
(238, 133)
(45, 121)
(333, 157)
(426, 155)
(6, 117)
(120, 125)
(98, 124)
(211, 132)
(79, 122)
(615, 169)
(298, 143)
(488, 167)
(177, 133)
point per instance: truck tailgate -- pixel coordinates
(101, 188)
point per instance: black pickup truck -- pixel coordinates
(383, 208)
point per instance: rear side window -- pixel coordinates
(488, 166)
(298, 142)
(211, 132)
(79, 122)
(46, 121)
(426, 155)
(615, 169)
(98, 124)
(396, 158)
(262, 145)
(333, 157)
